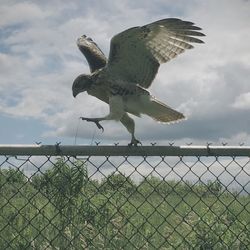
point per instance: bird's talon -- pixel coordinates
(93, 120)
(134, 142)
(99, 126)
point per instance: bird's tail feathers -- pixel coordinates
(163, 113)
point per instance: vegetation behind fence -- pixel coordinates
(124, 202)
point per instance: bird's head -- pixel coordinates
(81, 84)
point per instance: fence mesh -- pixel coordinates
(124, 202)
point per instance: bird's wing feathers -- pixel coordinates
(95, 57)
(136, 54)
(161, 112)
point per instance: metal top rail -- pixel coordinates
(81, 150)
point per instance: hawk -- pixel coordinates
(135, 55)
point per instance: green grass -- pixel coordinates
(64, 209)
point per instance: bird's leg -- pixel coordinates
(129, 123)
(95, 120)
(116, 112)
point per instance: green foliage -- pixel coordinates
(218, 229)
(63, 208)
(215, 228)
(12, 176)
(62, 181)
(117, 182)
(15, 179)
(211, 188)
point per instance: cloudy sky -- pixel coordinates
(39, 60)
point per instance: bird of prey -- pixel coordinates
(135, 55)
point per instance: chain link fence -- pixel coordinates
(115, 197)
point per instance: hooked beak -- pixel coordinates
(75, 93)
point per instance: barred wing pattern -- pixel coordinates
(95, 57)
(136, 54)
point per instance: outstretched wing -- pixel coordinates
(136, 54)
(95, 57)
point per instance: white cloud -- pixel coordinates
(20, 12)
(242, 101)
